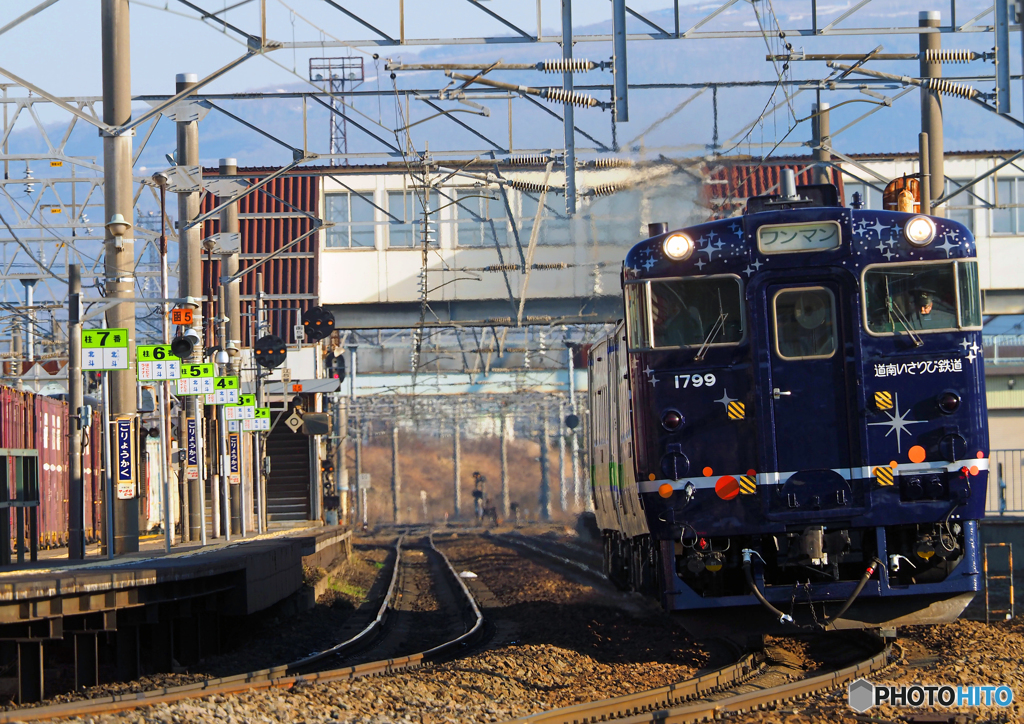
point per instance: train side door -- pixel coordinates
(808, 390)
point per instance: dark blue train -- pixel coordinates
(788, 428)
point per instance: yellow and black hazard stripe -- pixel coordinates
(737, 410)
(884, 475)
(748, 485)
(883, 400)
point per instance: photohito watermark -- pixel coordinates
(861, 695)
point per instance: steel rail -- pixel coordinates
(272, 678)
(647, 707)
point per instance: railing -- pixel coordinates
(1003, 348)
(1005, 483)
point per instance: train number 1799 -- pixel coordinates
(695, 380)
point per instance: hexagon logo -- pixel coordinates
(860, 695)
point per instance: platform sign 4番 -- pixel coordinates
(225, 391)
(156, 363)
(104, 349)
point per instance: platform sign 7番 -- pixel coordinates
(104, 349)
(225, 391)
(156, 363)
(195, 380)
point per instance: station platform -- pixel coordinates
(144, 612)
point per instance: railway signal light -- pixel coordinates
(183, 345)
(572, 421)
(318, 324)
(270, 351)
(335, 364)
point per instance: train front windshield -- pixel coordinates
(915, 297)
(695, 312)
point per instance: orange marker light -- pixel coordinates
(980, 454)
(665, 490)
(708, 472)
(751, 472)
(652, 476)
(894, 464)
(916, 454)
(974, 470)
(727, 487)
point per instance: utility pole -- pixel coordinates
(231, 331)
(76, 494)
(577, 493)
(119, 253)
(358, 502)
(506, 503)
(545, 484)
(165, 386)
(931, 106)
(230, 502)
(257, 438)
(563, 490)
(396, 479)
(190, 285)
(30, 319)
(569, 117)
(457, 465)
(822, 143)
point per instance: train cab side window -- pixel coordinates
(636, 316)
(911, 298)
(805, 323)
(696, 312)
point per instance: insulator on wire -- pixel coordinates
(501, 268)
(520, 159)
(940, 55)
(567, 65)
(611, 162)
(552, 265)
(527, 185)
(570, 97)
(952, 89)
(604, 189)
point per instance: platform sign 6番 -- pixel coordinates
(225, 391)
(104, 349)
(195, 380)
(156, 363)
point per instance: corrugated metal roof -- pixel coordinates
(289, 276)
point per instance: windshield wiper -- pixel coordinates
(895, 311)
(717, 327)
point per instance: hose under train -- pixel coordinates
(785, 617)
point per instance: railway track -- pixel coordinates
(308, 669)
(753, 683)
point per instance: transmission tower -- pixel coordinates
(336, 74)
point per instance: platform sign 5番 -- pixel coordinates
(104, 349)
(195, 380)
(125, 459)
(156, 363)
(225, 391)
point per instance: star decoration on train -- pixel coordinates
(897, 422)
(653, 380)
(881, 246)
(726, 399)
(894, 232)
(889, 254)
(700, 264)
(735, 228)
(945, 245)
(648, 264)
(971, 356)
(712, 235)
(878, 226)
(965, 344)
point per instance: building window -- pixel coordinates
(1004, 220)
(960, 208)
(352, 216)
(407, 207)
(480, 216)
(554, 227)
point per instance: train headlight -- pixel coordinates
(678, 246)
(949, 402)
(671, 420)
(919, 231)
